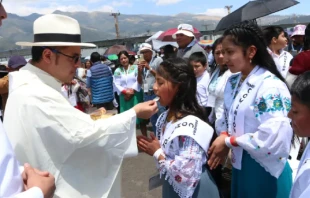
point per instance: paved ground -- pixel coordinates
(135, 177)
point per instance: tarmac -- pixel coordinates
(136, 172)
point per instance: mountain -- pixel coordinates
(97, 26)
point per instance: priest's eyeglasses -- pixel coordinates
(75, 58)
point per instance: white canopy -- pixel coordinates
(157, 44)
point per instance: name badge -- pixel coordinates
(146, 87)
(155, 182)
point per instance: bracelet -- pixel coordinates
(158, 153)
(224, 133)
(233, 141)
(227, 142)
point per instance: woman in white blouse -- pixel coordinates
(217, 83)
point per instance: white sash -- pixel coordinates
(235, 117)
(190, 126)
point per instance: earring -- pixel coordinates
(250, 60)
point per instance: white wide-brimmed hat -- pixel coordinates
(56, 30)
(186, 29)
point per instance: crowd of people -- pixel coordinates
(244, 98)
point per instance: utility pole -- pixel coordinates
(115, 15)
(228, 8)
(295, 18)
(206, 26)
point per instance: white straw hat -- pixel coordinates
(56, 30)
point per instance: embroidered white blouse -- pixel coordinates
(267, 132)
(216, 94)
(126, 79)
(301, 186)
(184, 156)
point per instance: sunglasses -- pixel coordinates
(75, 58)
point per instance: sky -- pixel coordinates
(158, 7)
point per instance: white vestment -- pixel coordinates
(85, 156)
(11, 183)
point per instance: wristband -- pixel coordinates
(224, 133)
(158, 153)
(227, 142)
(233, 141)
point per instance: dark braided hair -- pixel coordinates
(248, 33)
(307, 39)
(179, 72)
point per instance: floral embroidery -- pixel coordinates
(267, 77)
(268, 154)
(234, 81)
(287, 104)
(271, 103)
(178, 178)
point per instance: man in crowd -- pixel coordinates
(35, 183)
(100, 82)
(14, 64)
(186, 40)
(297, 38)
(85, 156)
(148, 66)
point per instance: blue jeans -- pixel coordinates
(161, 109)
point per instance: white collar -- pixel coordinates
(43, 76)
(282, 52)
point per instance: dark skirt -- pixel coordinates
(205, 188)
(253, 181)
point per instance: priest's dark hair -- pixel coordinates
(271, 32)
(301, 88)
(247, 34)
(37, 52)
(179, 72)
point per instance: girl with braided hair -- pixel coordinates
(254, 124)
(183, 137)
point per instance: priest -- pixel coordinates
(84, 156)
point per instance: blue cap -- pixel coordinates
(16, 61)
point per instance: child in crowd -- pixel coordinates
(199, 63)
(183, 138)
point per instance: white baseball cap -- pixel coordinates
(185, 29)
(145, 46)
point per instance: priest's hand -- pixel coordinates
(147, 145)
(33, 178)
(146, 109)
(217, 152)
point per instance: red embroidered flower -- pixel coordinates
(178, 178)
(269, 153)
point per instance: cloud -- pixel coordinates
(93, 1)
(36, 6)
(166, 2)
(216, 12)
(121, 3)
(106, 8)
